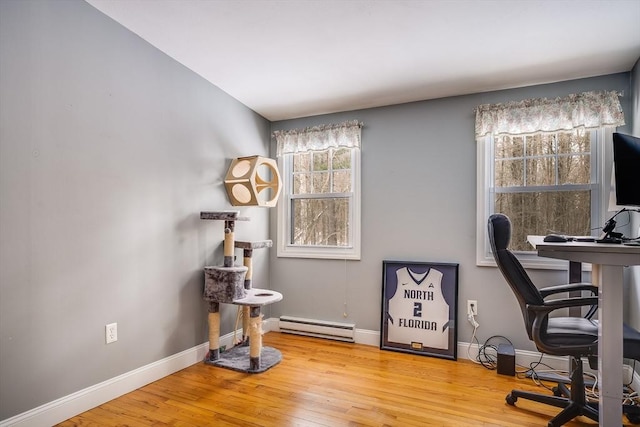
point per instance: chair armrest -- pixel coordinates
(569, 287)
(539, 327)
(556, 304)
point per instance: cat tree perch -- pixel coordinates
(231, 284)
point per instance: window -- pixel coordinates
(319, 213)
(545, 183)
(542, 163)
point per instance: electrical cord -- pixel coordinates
(629, 398)
(531, 368)
(592, 392)
(239, 316)
(610, 225)
(489, 361)
(473, 338)
(487, 357)
(472, 320)
(487, 353)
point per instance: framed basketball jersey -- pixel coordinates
(419, 308)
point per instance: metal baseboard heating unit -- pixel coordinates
(318, 328)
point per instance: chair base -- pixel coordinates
(632, 413)
(573, 400)
(570, 410)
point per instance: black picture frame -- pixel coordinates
(417, 317)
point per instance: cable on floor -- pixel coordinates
(488, 352)
(487, 357)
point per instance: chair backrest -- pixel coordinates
(513, 272)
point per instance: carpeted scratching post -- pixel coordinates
(231, 284)
(247, 252)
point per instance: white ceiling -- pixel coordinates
(296, 58)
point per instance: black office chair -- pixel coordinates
(576, 337)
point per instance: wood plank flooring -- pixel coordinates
(328, 383)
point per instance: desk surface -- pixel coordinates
(600, 253)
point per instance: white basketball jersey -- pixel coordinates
(418, 310)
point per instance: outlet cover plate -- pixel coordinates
(111, 333)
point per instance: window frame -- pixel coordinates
(601, 138)
(284, 223)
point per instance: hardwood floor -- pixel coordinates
(328, 383)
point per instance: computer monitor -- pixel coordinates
(626, 181)
(626, 163)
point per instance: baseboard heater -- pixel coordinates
(318, 328)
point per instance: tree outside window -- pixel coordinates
(321, 198)
(319, 212)
(543, 182)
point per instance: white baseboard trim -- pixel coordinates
(362, 336)
(367, 337)
(524, 358)
(69, 406)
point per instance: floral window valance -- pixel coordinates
(586, 110)
(318, 138)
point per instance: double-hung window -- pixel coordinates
(544, 179)
(319, 213)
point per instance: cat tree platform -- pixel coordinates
(253, 358)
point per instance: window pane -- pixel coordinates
(321, 161)
(509, 173)
(573, 143)
(509, 147)
(341, 159)
(321, 182)
(574, 169)
(320, 222)
(342, 181)
(302, 183)
(301, 162)
(539, 145)
(541, 213)
(541, 171)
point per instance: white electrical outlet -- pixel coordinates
(111, 332)
(472, 307)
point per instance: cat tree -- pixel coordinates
(232, 284)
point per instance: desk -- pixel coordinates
(608, 261)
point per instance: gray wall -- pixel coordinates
(109, 150)
(418, 203)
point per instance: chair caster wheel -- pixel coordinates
(633, 419)
(510, 399)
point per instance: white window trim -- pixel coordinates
(531, 259)
(283, 249)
